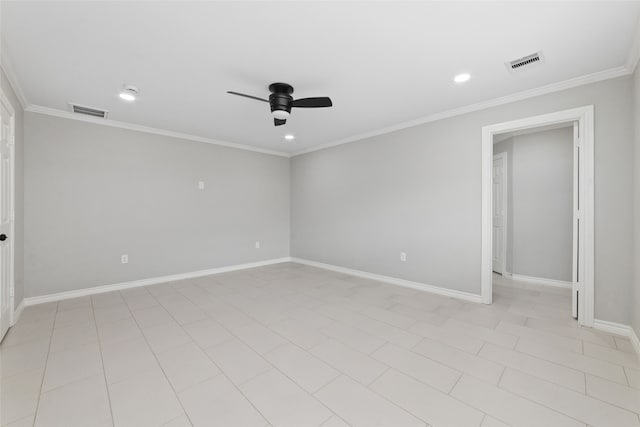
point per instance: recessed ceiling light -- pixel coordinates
(129, 93)
(461, 78)
(289, 137)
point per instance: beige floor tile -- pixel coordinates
(152, 317)
(107, 299)
(238, 361)
(19, 395)
(207, 333)
(576, 405)
(611, 355)
(540, 368)
(307, 371)
(633, 377)
(217, 402)
(73, 336)
(624, 344)
(427, 403)
(461, 341)
(24, 357)
(299, 332)
(119, 330)
(569, 328)
(544, 338)
(389, 317)
(461, 361)
(25, 332)
(358, 366)
(392, 334)
(72, 365)
(74, 317)
(111, 313)
(335, 421)
(485, 334)
(353, 337)
(186, 365)
(282, 402)
(492, 422)
(258, 337)
(22, 422)
(140, 301)
(361, 407)
(614, 393)
(74, 303)
(575, 361)
(145, 399)
(508, 407)
(165, 337)
(181, 421)
(425, 370)
(124, 359)
(80, 404)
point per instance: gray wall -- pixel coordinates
(418, 190)
(540, 203)
(95, 192)
(636, 197)
(19, 188)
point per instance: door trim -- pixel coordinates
(4, 100)
(585, 118)
(505, 200)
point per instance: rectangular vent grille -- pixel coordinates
(89, 111)
(525, 62)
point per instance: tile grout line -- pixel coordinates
(104, 373)
(44, 371)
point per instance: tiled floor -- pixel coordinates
(291, 345)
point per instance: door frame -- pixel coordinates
(4, 100)
(585, 118)
(505, 219)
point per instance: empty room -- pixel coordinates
(319, 213)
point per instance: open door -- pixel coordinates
(578, 222)
(6, 215)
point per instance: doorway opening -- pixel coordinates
(572, 263)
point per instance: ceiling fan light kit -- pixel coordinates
(281, 102)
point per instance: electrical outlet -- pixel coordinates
(403, 256)
(124, 259)
(200, 185)
(257, 245)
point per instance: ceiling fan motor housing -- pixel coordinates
(280, 98)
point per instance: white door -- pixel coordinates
(578, 223)
(6, 215)
(499, 212)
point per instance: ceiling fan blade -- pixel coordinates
(319, 102)
(279, 122)
(248, 96)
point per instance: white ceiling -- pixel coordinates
(382, 63)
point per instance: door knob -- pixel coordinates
(3, 237)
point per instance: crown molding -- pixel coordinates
(611, 73)
(139, 128)
(5, 64)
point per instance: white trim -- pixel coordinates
(584, 116)
(619, 329)
(392, 280)
(505, 201)
(147, 282)
(12, 198)
(531, 93)
(17, 312)
(5, 64)
(156, 131)
(541, 281)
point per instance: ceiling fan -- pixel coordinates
(281, 101)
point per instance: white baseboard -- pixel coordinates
(540, 281)
(146, 282)
(619, 329)
(17, 312)
(394, 281)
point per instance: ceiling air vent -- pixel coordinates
(89, 111)
(525, 62)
